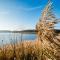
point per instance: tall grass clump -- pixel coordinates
(47, 35)
(26, 50)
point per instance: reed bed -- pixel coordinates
(23, 51)
(29, 50)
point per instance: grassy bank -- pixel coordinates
(27, 50)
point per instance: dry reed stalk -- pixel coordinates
(47, 35)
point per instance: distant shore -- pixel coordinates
(25, 31)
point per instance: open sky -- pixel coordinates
(23, 14)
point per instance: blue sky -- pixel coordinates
(23, 14)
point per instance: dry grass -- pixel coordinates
(23, 51)
(47, 36)
(29, 50)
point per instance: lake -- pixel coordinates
(6, 38)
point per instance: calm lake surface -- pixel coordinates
(6, 38)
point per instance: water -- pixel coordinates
(6, 38)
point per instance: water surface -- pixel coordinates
(6, 38)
